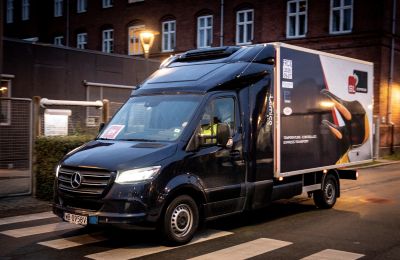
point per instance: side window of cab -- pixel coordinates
(218, 110)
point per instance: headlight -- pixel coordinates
(135, 175)
(57, 170)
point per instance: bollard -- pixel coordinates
(106, 110)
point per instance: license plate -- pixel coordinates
(75, 219)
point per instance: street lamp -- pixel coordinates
(146, 40)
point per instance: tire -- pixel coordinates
(181, 220)
(326, 198)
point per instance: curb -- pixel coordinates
(377, 165)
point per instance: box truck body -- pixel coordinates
(324, 111)
(218, 131)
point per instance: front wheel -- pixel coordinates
(181, 220)
(326, 198)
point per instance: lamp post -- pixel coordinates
(146, 40)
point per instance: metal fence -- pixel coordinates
(80, 122)
(15, 146)
(84, 117)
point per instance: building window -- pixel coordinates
(59, 40)
(81, 6)
(5, 105)
(296, 18)
(25, 10)
(10, 11)
(244, 26)
(58, 8)
(341, 18)
(134, 40)
(204, 31)
(168, 36)
(81, 40)
(107, 3)
(108, 41)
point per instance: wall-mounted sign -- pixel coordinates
(56, 122)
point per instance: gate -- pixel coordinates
(15, 146)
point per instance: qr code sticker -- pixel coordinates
(287, 69)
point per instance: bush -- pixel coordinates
(48, 152)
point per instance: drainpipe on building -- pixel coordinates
(1, 38)
(389, 96)
(67, 26)
(221, 36)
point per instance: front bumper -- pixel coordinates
(123, 204)
(95, 218)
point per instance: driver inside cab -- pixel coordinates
(220, 110)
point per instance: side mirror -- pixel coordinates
(101, 126)
(223, 134)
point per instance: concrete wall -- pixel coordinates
(58, 73)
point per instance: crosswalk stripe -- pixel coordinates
(245, 250)
(30, 231)
(144, 250)
(69, 242)
(330, 254)
(24, 218)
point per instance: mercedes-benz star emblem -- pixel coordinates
(76, 180)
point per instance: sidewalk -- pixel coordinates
(21, 205)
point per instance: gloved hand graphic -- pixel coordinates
(355, 131)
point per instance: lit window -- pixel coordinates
(341, 16)
(81, 6)
(108, 41)
(81, 40)
(58, 8)
(107, 3)
(244, 26)
(296, 18)
(10, 11)
(204, 31)
(25, 10)
(5, 105)
(168, 36)
(59, 40)
(134, 40)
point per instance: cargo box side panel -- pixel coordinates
(322, 124)
(350, 90)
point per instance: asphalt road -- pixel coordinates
(365, 223)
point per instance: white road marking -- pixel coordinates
(30, 231)
(330, 254)
(245, 250)
(144, 250)
(24, 218)
(69, 242)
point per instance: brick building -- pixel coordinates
(360, 29)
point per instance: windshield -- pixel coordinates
(152, 118)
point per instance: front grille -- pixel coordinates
(84, 204)
(92, 182)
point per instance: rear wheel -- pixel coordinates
(181, 220)
(326, 197)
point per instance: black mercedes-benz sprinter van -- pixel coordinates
(195, 141)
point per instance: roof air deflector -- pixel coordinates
(207, 54)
